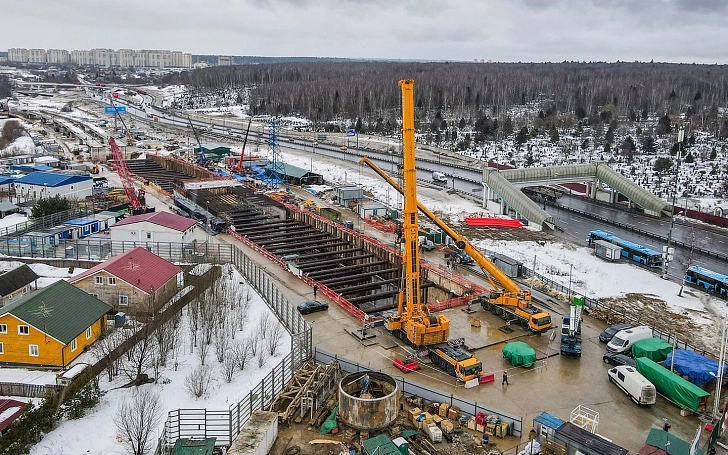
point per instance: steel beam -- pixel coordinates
(334, 280)
(348, 268)
(328, 253)
(365, 287)
(306, 246)
(297, 239)
(316, 265)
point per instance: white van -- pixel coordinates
(633, 384)
(624, 339)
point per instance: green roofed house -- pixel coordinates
(50, 327)
(296, 175)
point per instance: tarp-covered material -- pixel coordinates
(658, 439)
(519, 353)
(684, 393)
(654, 349)
(699, 369)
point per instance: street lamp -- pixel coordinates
(667, 251)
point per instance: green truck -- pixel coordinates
(678, 390)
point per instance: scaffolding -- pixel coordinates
(585, 418)
(277, 168)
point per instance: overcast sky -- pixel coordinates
(498, 30)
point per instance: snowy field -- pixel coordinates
(72, 436)
(337, 173)
(47, 274)
(623, 284)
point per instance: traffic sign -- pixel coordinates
(350, 133)
(114, 109)
(115, 95)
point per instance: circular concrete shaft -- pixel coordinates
(368, 400)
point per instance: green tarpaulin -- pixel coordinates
(519, 353)
(654, 349)
(658, 438)
(681, 391)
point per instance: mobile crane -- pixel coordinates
(506, 300)
(571, 328)
(239, 166)
(137, 198)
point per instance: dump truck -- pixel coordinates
(455, 360)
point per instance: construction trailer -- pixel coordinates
(577, 440)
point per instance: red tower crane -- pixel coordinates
(136, 198)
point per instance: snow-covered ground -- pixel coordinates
(48, 274)
(73, 436)
(623, 284)
(12, 220)
(337, 173)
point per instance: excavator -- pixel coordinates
(507, 300)
(413, 322)
(238, 168)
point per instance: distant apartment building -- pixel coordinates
(18, 55)
(58, 56)
(225, 60)
(37, 56)
(104, 57)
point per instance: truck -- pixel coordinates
(571, 328)
(439, 178)
(459, 256)
(455, 360)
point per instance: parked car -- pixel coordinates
(619, 359)
(606, 336)
(624, 339)
(312, 306)
(636, 386)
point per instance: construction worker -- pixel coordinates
(315, 290)
(505, 378)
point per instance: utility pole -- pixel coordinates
(667, 251)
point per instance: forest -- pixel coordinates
(596, 93)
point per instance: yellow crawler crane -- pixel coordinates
(413, 323)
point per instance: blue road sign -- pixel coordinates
(350, 133)
(114, 109)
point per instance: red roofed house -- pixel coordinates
(9, 411)
(154, 227)
(131, 282)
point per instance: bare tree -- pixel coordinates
(221, 340)
(228, 367)
(273, 341)
(140, 356)
(253, 341)
(193, 318)
(198, 381)
(103, 347)
(202, 350)
(262, 357)
(264, 324)
(241, 353)
(137, 419)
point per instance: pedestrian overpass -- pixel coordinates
(502, 189)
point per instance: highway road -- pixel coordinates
(464, 176)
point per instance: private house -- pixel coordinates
(154, 227)
(50, 327)
(48, 184)
(17, 282)
(131, 282)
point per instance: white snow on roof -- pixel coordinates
(8, 412)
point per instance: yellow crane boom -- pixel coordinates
(507, 292)
(412, 322)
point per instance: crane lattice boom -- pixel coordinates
(126, 180)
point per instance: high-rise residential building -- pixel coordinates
(18, 55)
(37, 56)
(58, 56)
(225, 60)
(104, 57)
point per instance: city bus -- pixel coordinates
(638, 253)
(708, 280)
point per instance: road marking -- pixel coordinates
(720, 241)
(642, 222)
(575, 220)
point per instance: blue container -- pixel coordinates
(119, 320)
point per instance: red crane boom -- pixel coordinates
(136, 200)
